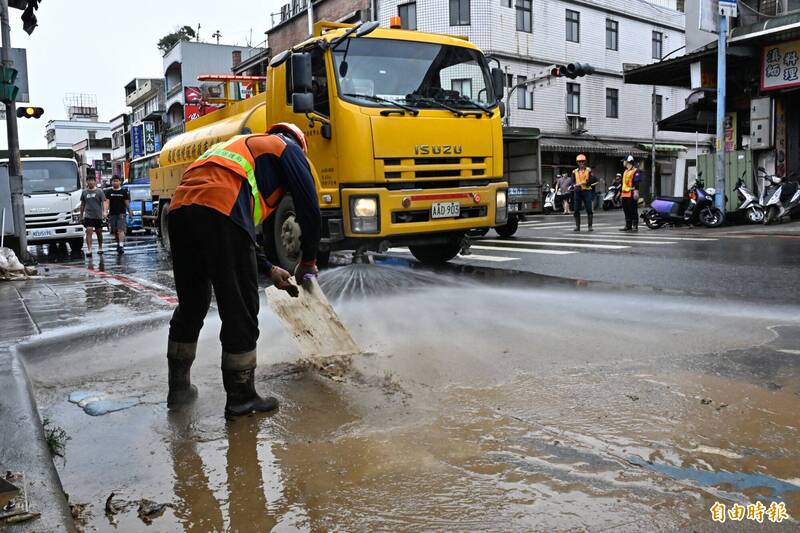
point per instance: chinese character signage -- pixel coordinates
(137, 142)
(779, 66)
(149, 138)
(730, 132)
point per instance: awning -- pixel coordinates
(522, 134)
(590, 146)
(691, 120)
(663, 147)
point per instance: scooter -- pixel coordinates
(613, 197)
(778, 196)
(749, 203)
(551, 199)
(698, 207)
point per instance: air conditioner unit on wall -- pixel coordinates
(577, 124)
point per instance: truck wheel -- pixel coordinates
(436, 254)
(163, 225)
(281, 235)
(75, 245)
(509, 228)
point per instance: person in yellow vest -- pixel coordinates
(630, 194)
(222, 197)
(584, 183)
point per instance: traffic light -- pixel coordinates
(572, 70)
(30, 112)
(29, 22)
(8, 91)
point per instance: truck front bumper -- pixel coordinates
(58, 233)
(406, 216)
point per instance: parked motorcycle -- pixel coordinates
(552, 199)
(778, 196)
(697, 208)
(749, 203)
(613, 197)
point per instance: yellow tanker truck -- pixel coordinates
(404, 133)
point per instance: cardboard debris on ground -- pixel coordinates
(14, 499)
(312, 322)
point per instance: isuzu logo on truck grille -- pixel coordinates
(437, 149)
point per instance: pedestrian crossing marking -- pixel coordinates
(523, 250)
(563, 244)
(477, 257)
(602, 238)
(655, 237)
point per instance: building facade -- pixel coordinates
(120, 144)
(65, 133)
(290, 24)
(597, 114)
(183, 63)
(94, 156)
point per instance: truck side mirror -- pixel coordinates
(502, 108)
(301, 72)
(302, 103)
(498, 82)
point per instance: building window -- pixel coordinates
(459, 12)
(408, 16)
(524, 94)
(573, 99)
(524, 15)
(462, 86)
(573, 26)
(658, 44)
(612, 103)
(612, 34)
(659, 107)
(505, 3)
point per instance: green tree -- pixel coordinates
(184, 33)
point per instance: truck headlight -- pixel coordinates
(501, 211)
(364, 214)
(76, 216)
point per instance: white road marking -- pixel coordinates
(477, 257)
(523, 250)
(563, 225)
(601, 238)
(790, 352)
(654, 237)
(564, 244)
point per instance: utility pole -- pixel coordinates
(719, 166)
(217, 35)
(14, 163)
(653, 118)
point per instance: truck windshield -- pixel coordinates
(412, 73)
(139, 193)
(47, 177)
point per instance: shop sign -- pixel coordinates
(149, 138)
(730, 132)
(780, 66)
(137, 142)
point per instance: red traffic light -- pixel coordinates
(556, 71)
(30, 112)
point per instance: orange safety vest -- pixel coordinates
(582, 178)
(627, 183)
(235, 156)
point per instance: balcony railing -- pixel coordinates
(175, 89)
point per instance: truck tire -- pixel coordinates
(509, 228)
(163, 225)
(75, 245)
(436, 254)
(281, 234)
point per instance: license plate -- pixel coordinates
(513, 207)
(41, 233)
(445, 210)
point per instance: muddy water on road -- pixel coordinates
(476, 408)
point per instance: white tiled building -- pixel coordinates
(527, 36)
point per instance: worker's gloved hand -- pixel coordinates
(304, 269)
(280, 278)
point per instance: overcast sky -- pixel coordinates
(98, 46)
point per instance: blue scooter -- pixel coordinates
(697, 208)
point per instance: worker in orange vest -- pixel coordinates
(584, 183)
(223, 196)
(630, 194)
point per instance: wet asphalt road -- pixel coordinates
(505, 392)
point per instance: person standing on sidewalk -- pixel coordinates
(93, 212)
(584, 181)
(564, 184)
(228, 191)
(119, 205)
(630, 194)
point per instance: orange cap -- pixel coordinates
(580, 157)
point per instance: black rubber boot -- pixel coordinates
(242, 396)
(577, 216)
(180, 356)
(590, 216)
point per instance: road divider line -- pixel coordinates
(562, 244)
(523, 250)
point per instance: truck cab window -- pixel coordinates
(319, 83)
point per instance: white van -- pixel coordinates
(52, 200)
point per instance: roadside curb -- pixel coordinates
(23, 445)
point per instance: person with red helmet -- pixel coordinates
(222, 197)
